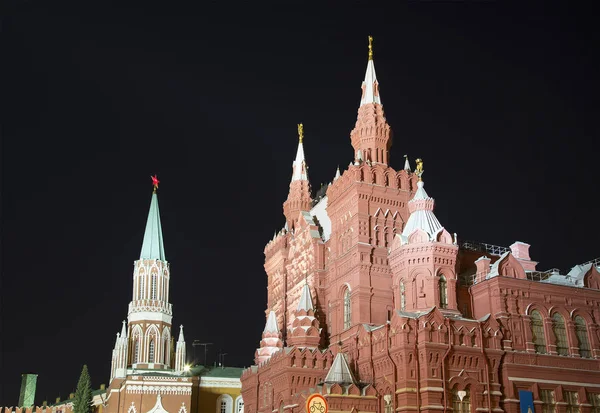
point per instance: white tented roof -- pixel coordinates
(340, 371)
(320, 211)
(369, 85)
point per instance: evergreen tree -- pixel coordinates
(83, 395)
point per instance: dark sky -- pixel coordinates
(502, 105)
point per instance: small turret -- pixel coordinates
(305, 330)
(271, 340)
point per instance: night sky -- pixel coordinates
(501, 104)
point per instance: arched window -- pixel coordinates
(151, 352)
(281, 407)
(558, 326)
(153, 287)
(402, 296)
(239, 405)
(347, 309)
(443, 292)
(537, 330)
(224, 404)
(582, 337)
(461, 400)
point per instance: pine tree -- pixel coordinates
(83, 395)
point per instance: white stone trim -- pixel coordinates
(148, 316)
(558, 382)
(230, 383)
(163, 389)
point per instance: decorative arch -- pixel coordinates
(137, 337)
(592, 278)
(152, 343)
(166, 344)
(224, 404)
(510, 267)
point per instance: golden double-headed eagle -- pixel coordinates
(419, 169)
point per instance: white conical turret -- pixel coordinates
(300, 169)
(271, 340)
(337, 174)
(406, 163)
(370, 85)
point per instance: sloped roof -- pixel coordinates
(340, 371)
(152, 246)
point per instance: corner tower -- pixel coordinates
(150, 313)
(372, 136)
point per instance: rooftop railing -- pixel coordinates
(483, 247)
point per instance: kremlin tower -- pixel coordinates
(145, 341)
(373, 304)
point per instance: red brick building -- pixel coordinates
(374, 304)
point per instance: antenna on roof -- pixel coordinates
(197, 343)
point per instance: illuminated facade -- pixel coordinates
(373, 303)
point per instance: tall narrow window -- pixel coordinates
(347, 309)
(153, 286)
(582, 337)
(166, 350)
(141, 296)
(558, 326)
(151, 352)
(223, 406)
(136, 350)
(572, 400)
(239, 405)
(461, 400)
(548, 403)
(402, 296)
(594, 399)
(537, 330)
(443, 292)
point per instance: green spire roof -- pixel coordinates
(153, 247)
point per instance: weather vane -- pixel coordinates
(301, 132)
(370, 47)
(419, 169)
(155, 182)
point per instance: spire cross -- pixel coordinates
(301, 132)
(419, 170)
(370, 47)
(155, 182)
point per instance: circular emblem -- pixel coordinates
(316, 403)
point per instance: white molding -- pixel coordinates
(149, 316)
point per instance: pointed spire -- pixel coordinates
(421, 209)
(152, 247)
(406, 163)
(181, 338)
(306, 302)
(271, 325)
(337, 173)
(370, 85)
(340, 371)
(300, 170)
(124, 329)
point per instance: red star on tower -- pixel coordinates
(155, 182)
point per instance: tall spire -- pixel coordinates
(152, 247)
(180, 352)
(300, 170)
(370, 85)
(371, 136)
(299, 198)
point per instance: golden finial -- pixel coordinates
(370, 47)
(419, 170)
(300, 132)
